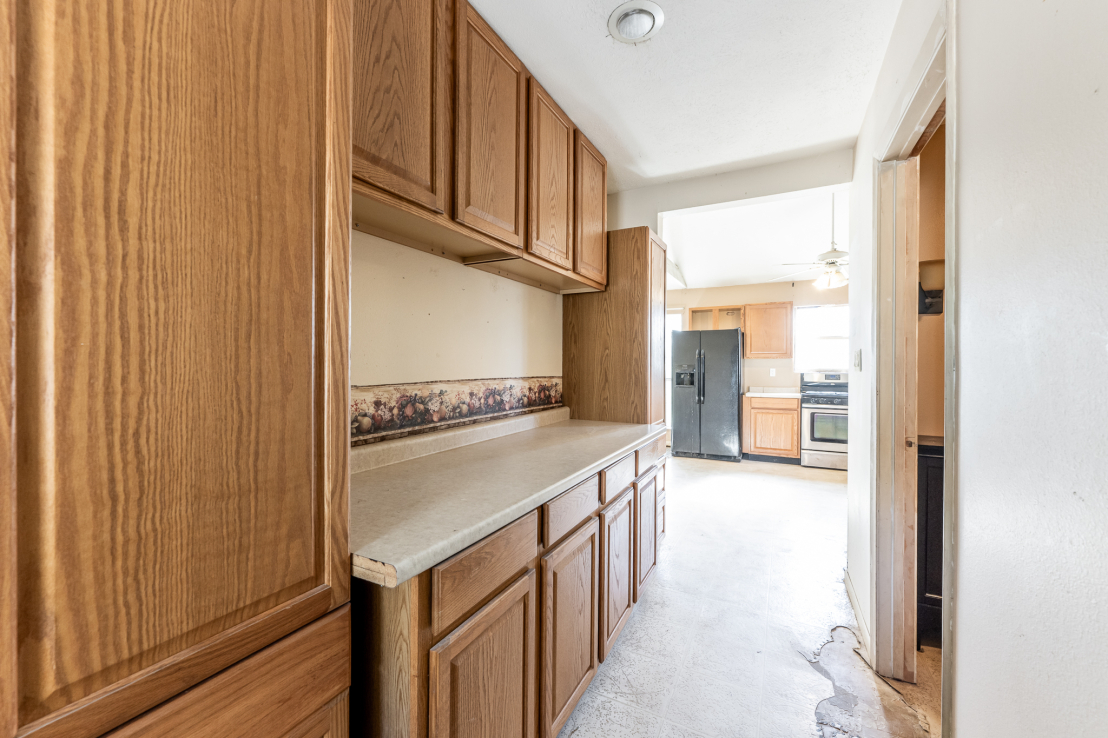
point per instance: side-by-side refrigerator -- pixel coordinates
(707, 377)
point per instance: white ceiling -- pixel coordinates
(724, 85)
(749, 241)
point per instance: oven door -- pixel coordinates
(823, 429)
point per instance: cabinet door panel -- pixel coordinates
(646, 533)
(483, 673)
(769, 331)
(570, 579)
(775, 433)
(401, 116)
(591, 211)
(617, 542)
(551, 177)
(490, 132)
(182, 385)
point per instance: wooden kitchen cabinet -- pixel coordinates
(771, 426)
(490, 143)
(482, 675)
(550, 157)
(723, 317)
(181, 419)
(403, 72)
(570, 599)
(646, 531)
(768, 331)
(613, 360)
(617, 568)
(590, 208)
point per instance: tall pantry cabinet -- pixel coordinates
(174, 386)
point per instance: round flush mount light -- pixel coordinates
(636, 21)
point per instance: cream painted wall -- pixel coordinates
(1031, 235)
(415, 317)
(918, 31)
(756, 371)
(640, 207)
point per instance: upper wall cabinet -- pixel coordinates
(551, 177)
(769, 331)
(401, 116)
(490, 132)
(591, 211)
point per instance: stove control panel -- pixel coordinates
(816, 400)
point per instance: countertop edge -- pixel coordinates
(402, 571)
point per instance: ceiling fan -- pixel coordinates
(832, 263)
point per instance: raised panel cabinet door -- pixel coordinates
(570, 604)
(657, 379)
(775, 433)
(646, 533)
(617, 569)
(483, 673)
(590, 211)
(401, 108)
(182, 217)
(769, 331)
(490, 131)
(550, 157)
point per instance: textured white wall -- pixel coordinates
(415, 317)
(918, 30)
(1031, 132)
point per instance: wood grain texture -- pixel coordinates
(768, 330)
(402, 72)
(566, 511)
(490, 125)
(9, 636)
(649, 454)
(467, 580)
(617, 572)
(570, 604)
(550, 179)
(482, 675)
(331, 721)
(646, 533)
(609, 339)
(657, 333)
(270, 693)
(774, 403)
(590, 211)
(617, 478)
(183, 228)
(771, 426)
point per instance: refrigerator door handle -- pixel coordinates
(700, 377)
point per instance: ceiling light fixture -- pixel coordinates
(830, 279)
(635, 21)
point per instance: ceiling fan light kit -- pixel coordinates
(831, 262)
(636, 21)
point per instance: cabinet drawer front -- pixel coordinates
(464, 582)
(566, 511)
(270, 693)
(617, 478)
(774, 403)
(650, 454)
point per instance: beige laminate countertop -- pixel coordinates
(407, 517)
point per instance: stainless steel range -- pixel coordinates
(823, 419)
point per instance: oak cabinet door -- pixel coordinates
(550, 236)
(483, 673)
(769, 331)
(570, 585)
(646, 533)
(775, 433)
(590, 210)
(401, 108)
(617, 569)
(183, 216)
(490, 145)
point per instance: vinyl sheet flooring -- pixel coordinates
(725, 640)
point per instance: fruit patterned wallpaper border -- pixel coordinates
(388, 411)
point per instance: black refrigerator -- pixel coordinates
(707, 379)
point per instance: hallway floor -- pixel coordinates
(727, 636)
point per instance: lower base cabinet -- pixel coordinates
(570, 653)
(646, 531)
(482, 675)
(617, 589)
(771, 427)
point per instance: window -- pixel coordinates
(821, 338)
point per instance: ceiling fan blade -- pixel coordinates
(789, 276)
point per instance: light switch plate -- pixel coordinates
(858, 359)
(773, 372)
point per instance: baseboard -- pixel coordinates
(866, 638)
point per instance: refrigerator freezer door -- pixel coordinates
(686, 389)
(719, 415)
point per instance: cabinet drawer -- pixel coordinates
(566, 511)
(617, 478)
(466, 581)
(774, 403)
(650, 454)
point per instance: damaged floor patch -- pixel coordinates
(864, 705)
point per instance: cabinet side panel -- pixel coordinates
(8, 550)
